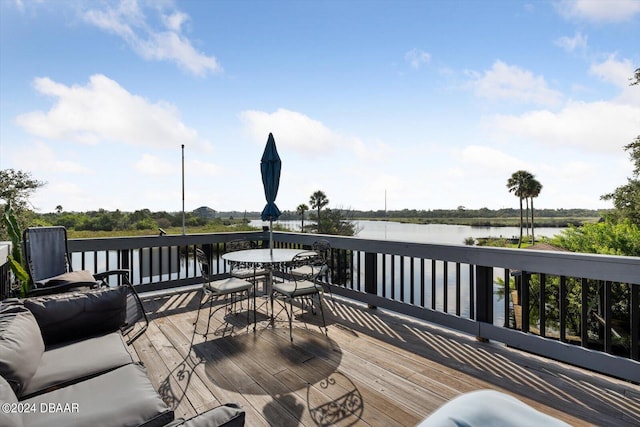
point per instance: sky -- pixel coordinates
(405, 104)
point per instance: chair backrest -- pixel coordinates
(46, 252)
(203, 263)
(311, 259)
(322, 247)
(136, 321)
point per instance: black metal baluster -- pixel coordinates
(634, 316)
(422, 301)
(584, 312)
(542, 306)
(433, 284)
(608, 317)
(384, 275)
(445, 287)
(457, 289)
(507, 295)
(562, 297)
(525, 301)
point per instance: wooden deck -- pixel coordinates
(372, 368)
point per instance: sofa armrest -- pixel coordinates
(229, 415)
(72, 316)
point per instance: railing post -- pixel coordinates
(371, 274)
(125, 264)
(525, 293)
(484, 295)
(207, 248)
(635, 321)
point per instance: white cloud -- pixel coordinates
(153, 165)
(575, 171)
(43, 158)
(505, 81)
(416, 58)
(614, 71)
(599, 126)
(292, 130)
(488, 160)
(572, 44)
(104, 111)
(204, 168)
(300, 133)
(68, 194)
(599, 10)
(175, 20)
(129, 22)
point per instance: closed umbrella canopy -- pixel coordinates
(270, 166)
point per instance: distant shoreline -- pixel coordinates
(555, 222)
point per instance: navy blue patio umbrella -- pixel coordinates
(270, 166)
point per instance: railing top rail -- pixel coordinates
(591, 266)
(136, 242)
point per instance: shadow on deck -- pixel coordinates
(372, 368)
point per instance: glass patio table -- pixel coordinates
(269, 259)
(262, 258)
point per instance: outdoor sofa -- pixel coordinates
(64, 362)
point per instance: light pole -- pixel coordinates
(183, 189)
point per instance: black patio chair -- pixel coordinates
(315, 263)
(251, 273)
(46, 252)
(305, 287)
(228, 288)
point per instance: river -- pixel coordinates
(425, 233)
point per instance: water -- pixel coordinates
(425, 233)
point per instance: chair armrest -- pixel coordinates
(120, 272)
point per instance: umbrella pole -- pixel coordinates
(271, 237)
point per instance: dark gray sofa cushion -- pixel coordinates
(7, 396)
(119, 398)
(75, 315)
(64, 364)
(21, 346)
(229, 415)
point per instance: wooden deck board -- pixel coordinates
(372, 368)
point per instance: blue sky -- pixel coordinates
(435, 103)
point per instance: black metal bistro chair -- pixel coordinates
(315, 263)
(228, 288)
(251, 273)
(305, 288)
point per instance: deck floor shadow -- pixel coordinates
(371, 368)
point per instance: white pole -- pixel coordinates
(183, 190)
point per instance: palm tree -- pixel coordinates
(533, 191)
(318, 200)
(518, 184)
(300, 210)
